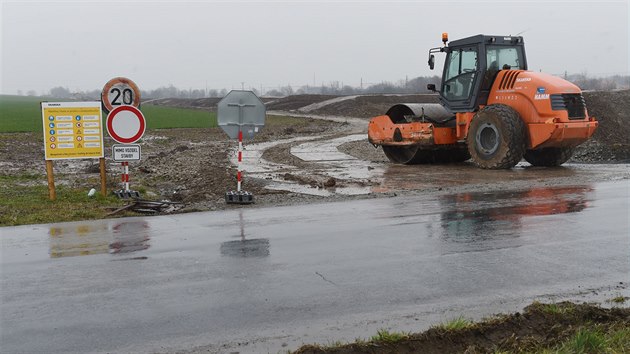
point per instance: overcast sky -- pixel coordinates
(82, 44)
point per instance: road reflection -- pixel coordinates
(130, 236)
(477, 216)
(243, 248)
(414, 177)
(98, 238)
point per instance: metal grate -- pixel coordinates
(571, 102)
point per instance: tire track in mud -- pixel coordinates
(314, 165)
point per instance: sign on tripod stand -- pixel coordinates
(241, 114)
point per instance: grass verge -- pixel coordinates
(24, 200)
(541, 328)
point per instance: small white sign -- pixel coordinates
(126, 152)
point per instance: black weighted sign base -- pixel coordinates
(242, 197)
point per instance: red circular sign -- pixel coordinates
(126, 124)
(120, 91)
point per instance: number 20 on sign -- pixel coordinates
(120, 91)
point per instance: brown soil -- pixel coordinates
(536, 328)
(611, 141)
(371, 106)
(295, 102)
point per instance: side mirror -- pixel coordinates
(431, 61)
(431, 87)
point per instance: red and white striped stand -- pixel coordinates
(239, 196)
(125, 192)
(125, 175)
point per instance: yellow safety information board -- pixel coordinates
(72, 130)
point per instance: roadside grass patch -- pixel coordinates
(455, 324)
(541, 328)
(24, 200)
(385, 336)
(586, 341)
(620, 299)
(596, 339)
(553, 308)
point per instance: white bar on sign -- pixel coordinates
(64, 132)
(65, 146)
(90, 124)
(63, 118)
(92, 138)
(64, 125)
(66, 139)
(91, 131)
(92, 145)
(90, 117)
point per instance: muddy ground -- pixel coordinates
(195, 166)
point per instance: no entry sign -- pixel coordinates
(126, 124)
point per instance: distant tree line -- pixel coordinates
(411, 86)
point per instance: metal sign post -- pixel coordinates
(238, 124)
(240, 142)
(124, 153)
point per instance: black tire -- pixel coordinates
(496, 137)
(415, 155)
(549, 157)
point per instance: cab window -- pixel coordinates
(501, 58)
(459, 78)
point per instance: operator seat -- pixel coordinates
(492, 71)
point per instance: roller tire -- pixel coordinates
(549, 157)
(414, 155)
(496, 137)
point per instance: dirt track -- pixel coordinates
(194, 166)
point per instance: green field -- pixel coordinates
(23, 114)
(159, 117)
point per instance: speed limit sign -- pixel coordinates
(120, 91)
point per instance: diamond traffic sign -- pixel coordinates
(241, 110)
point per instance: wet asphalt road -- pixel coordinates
(258, 280)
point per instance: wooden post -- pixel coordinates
(51, 180)
(103, 176)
